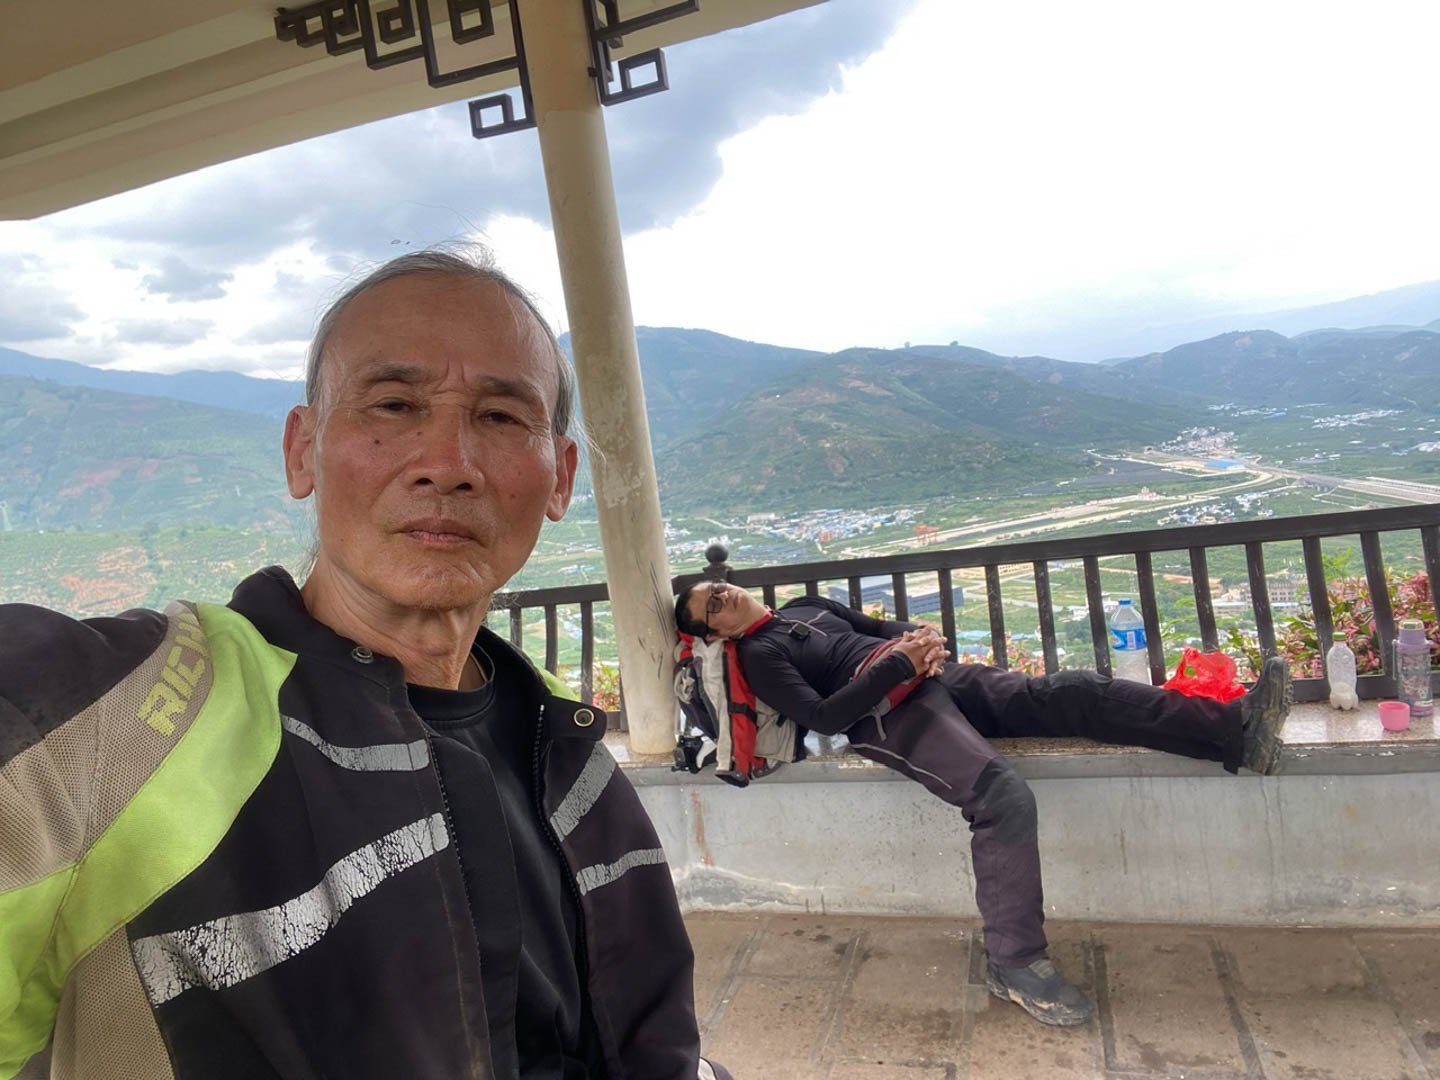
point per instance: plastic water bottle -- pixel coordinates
(1340, 670)
(1412, 668)
(1127, 644)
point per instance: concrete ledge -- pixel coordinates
(1319, 741)
(1345, 835)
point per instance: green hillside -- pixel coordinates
(692, 376)
(1394, 367)
(79, 458)
(98, 573)
(1346, 369)
(742, 424)
(867, 427)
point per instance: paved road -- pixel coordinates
(1069, 517)
(1063, 517)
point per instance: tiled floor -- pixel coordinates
(853, 998)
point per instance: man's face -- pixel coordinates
(726, 610)
(430, 451)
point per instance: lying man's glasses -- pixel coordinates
(715, 603)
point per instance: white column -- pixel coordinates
(607, 362)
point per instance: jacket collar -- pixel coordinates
(271, 600)
(768, 617)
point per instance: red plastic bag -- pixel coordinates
(1209, 675)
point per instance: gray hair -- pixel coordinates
(470, 264)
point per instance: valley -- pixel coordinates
(113, 499)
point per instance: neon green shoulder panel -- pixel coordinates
(556, 685)
(173, 822)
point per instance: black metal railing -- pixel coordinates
(1195, 541)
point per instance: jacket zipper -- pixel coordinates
(582, 958)
(455, 845)
(450, 827)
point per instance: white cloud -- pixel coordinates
(1000, 156)
(1024, 176)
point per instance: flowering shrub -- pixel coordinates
(1353, 615)
(1017, 656)
(605, 686)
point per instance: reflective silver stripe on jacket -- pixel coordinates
(592, 877)
(385, 757)
(226, 951)
(584, 792)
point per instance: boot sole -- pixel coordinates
(1058, 1016)
(1267, 741)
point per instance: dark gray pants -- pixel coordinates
(938, 736)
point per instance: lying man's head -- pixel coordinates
(716, 609)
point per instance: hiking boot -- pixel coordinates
(1042, 992)
(1262, 712)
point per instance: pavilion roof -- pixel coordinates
(98, 98)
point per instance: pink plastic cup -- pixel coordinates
(1394, 715)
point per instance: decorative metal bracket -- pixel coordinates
(346, 26)
(608, 30)
(482, 128)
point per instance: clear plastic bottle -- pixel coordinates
(1340, 670)
(1129, 659)
(1412, 668)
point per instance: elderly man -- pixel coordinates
(888, 685)
(342, 830)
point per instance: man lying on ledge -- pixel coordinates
(891, 687)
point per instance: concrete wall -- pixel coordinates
(1290, 850)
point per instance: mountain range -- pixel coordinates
(735, 424)
(1409, 305)
(220, 389)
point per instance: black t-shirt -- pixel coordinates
(520, 898)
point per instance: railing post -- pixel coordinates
(1150, 612)
(1319, 597)
(1095, 604)
(1379, 598)
(1204, 606)
(1046, 612)
(1260, 597)
(997, 616)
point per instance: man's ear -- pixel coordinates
(567, 460)
(299, 444)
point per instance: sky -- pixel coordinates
(1036, 176)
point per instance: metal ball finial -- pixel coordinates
(718, 569)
